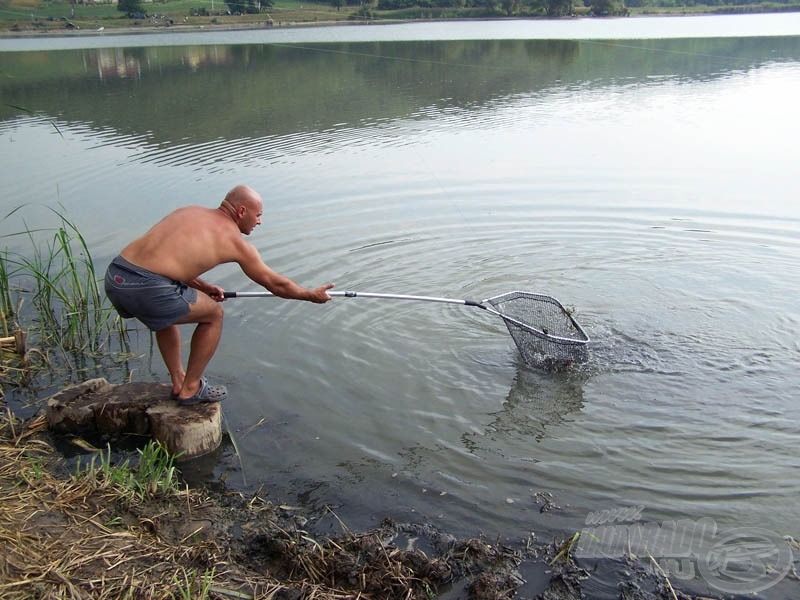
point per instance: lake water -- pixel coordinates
(642, 171)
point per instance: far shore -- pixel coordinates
(146, 29)
(149, 28)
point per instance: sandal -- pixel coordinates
(206, 393)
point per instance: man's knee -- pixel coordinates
(216, 313)
(204, 311)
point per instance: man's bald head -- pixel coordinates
(244, 205)
(243, 195)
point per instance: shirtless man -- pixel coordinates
(156, 279)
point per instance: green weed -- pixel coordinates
(154, 475)
(192, 585)
(6, 308)
(66, 292)
(57, 273)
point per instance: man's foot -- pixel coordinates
(206, 393)
(173, 395)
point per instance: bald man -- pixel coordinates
(156, 279)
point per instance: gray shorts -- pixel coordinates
(155, 300)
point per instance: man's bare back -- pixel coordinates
(187, 243)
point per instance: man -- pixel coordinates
(156, 279)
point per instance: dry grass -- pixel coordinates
(74, 537)
(78, 536)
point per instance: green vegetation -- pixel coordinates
(252, 7)
(6, 307)
(60, 15)
(155, 474)
(59, 275)
(130, 7)
(67, 313)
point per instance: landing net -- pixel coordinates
(541, 327)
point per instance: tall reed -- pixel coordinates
(59, 275)
(6, 308)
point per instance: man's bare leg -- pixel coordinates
(208, 315)
(169, 343)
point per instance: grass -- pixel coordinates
(73, 537)
(58, 15)
(108, 531)
(154, 475)
(52, 291)
(194, 585)
(6, 308)
(59, 275)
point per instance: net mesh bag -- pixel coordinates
(543, 330)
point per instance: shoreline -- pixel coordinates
(6, 33)
(149, 29)
(73, 527)
(71, 532)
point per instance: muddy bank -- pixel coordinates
(74, 536)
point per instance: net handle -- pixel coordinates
(354, 294)
(483, 305)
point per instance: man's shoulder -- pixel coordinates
(191, 212)
(242, 245)
(196, 208)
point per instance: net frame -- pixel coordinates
(540, 326)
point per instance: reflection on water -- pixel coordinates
(311, 90)
(121, 63)
(641, 182)
(536, 402)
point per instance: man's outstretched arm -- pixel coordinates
(280, 285)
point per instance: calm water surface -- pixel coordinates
(648, 183)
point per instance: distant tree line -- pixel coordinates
(248, 6)
(136, 7)
(689, 3)
(551, 8)
(555, 8)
